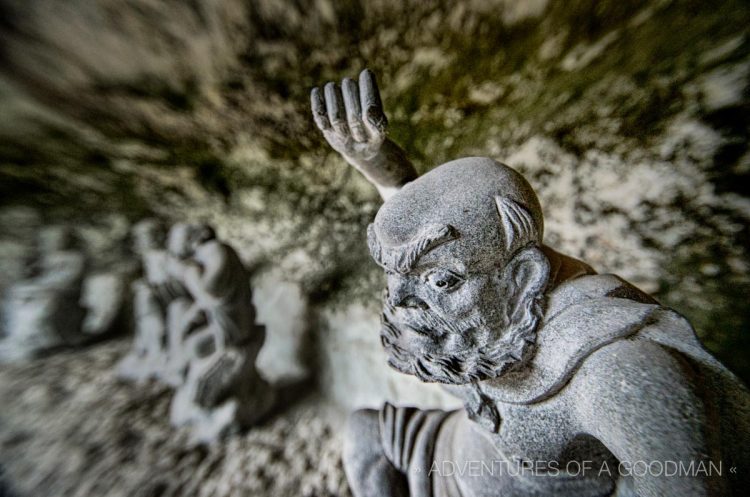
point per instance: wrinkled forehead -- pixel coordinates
(432, 246)
(474, 210)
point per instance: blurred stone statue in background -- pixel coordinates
(223, 390)
(44, 312)
(152, 294)
(196, 330)
(183, 315)
(568, 377)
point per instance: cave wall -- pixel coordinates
(630, 118)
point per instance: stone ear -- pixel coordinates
(518, 222)
(526, 277)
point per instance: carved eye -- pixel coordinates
(443, 279)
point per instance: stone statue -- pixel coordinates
(218, 338)
(574, 383)
(182, 312)
(151, 295)
(44, 312)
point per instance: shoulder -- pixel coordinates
(634, 360)
(635, 381)
(596, 286)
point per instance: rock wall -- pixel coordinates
(630, 118)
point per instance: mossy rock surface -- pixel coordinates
(629, 117)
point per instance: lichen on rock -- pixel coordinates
(628, 117)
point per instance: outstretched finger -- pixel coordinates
(320, 115)
(336, 110)
(370, 100)
(353, 111)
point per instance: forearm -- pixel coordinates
(352, 120)
(389, 168)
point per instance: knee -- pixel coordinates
(368, 471)
(362, 432)
(361, 440)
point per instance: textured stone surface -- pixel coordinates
(282, 308)
(628, 118)
(42, 311)
(350, 341)
(199, 110)
(558, 367)
(107, 300)
(70, 428)
(196, 330)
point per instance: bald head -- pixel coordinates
(484, 210)
(465, 275)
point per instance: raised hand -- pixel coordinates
(351, 116)
(352, 120)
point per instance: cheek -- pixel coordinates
(465, 302)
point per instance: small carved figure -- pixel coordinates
(218, 340)
(151, 295)
(570, 379)
(180, 309)
(44, 311)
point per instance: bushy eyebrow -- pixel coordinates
(402, 258)
(452, 266)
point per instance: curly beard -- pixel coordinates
(418, 342)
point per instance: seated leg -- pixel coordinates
(369, 472)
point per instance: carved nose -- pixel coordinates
(401, 298)
(413, 302)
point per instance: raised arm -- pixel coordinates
(352, 120)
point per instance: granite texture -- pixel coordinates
(70, 427)
(628, 119)
(558, 367)
(196, 330)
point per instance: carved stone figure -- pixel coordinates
(574, 383)
(106, 297)
(44, 312)
(151, 295)
(217, 340)
(182, 312)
